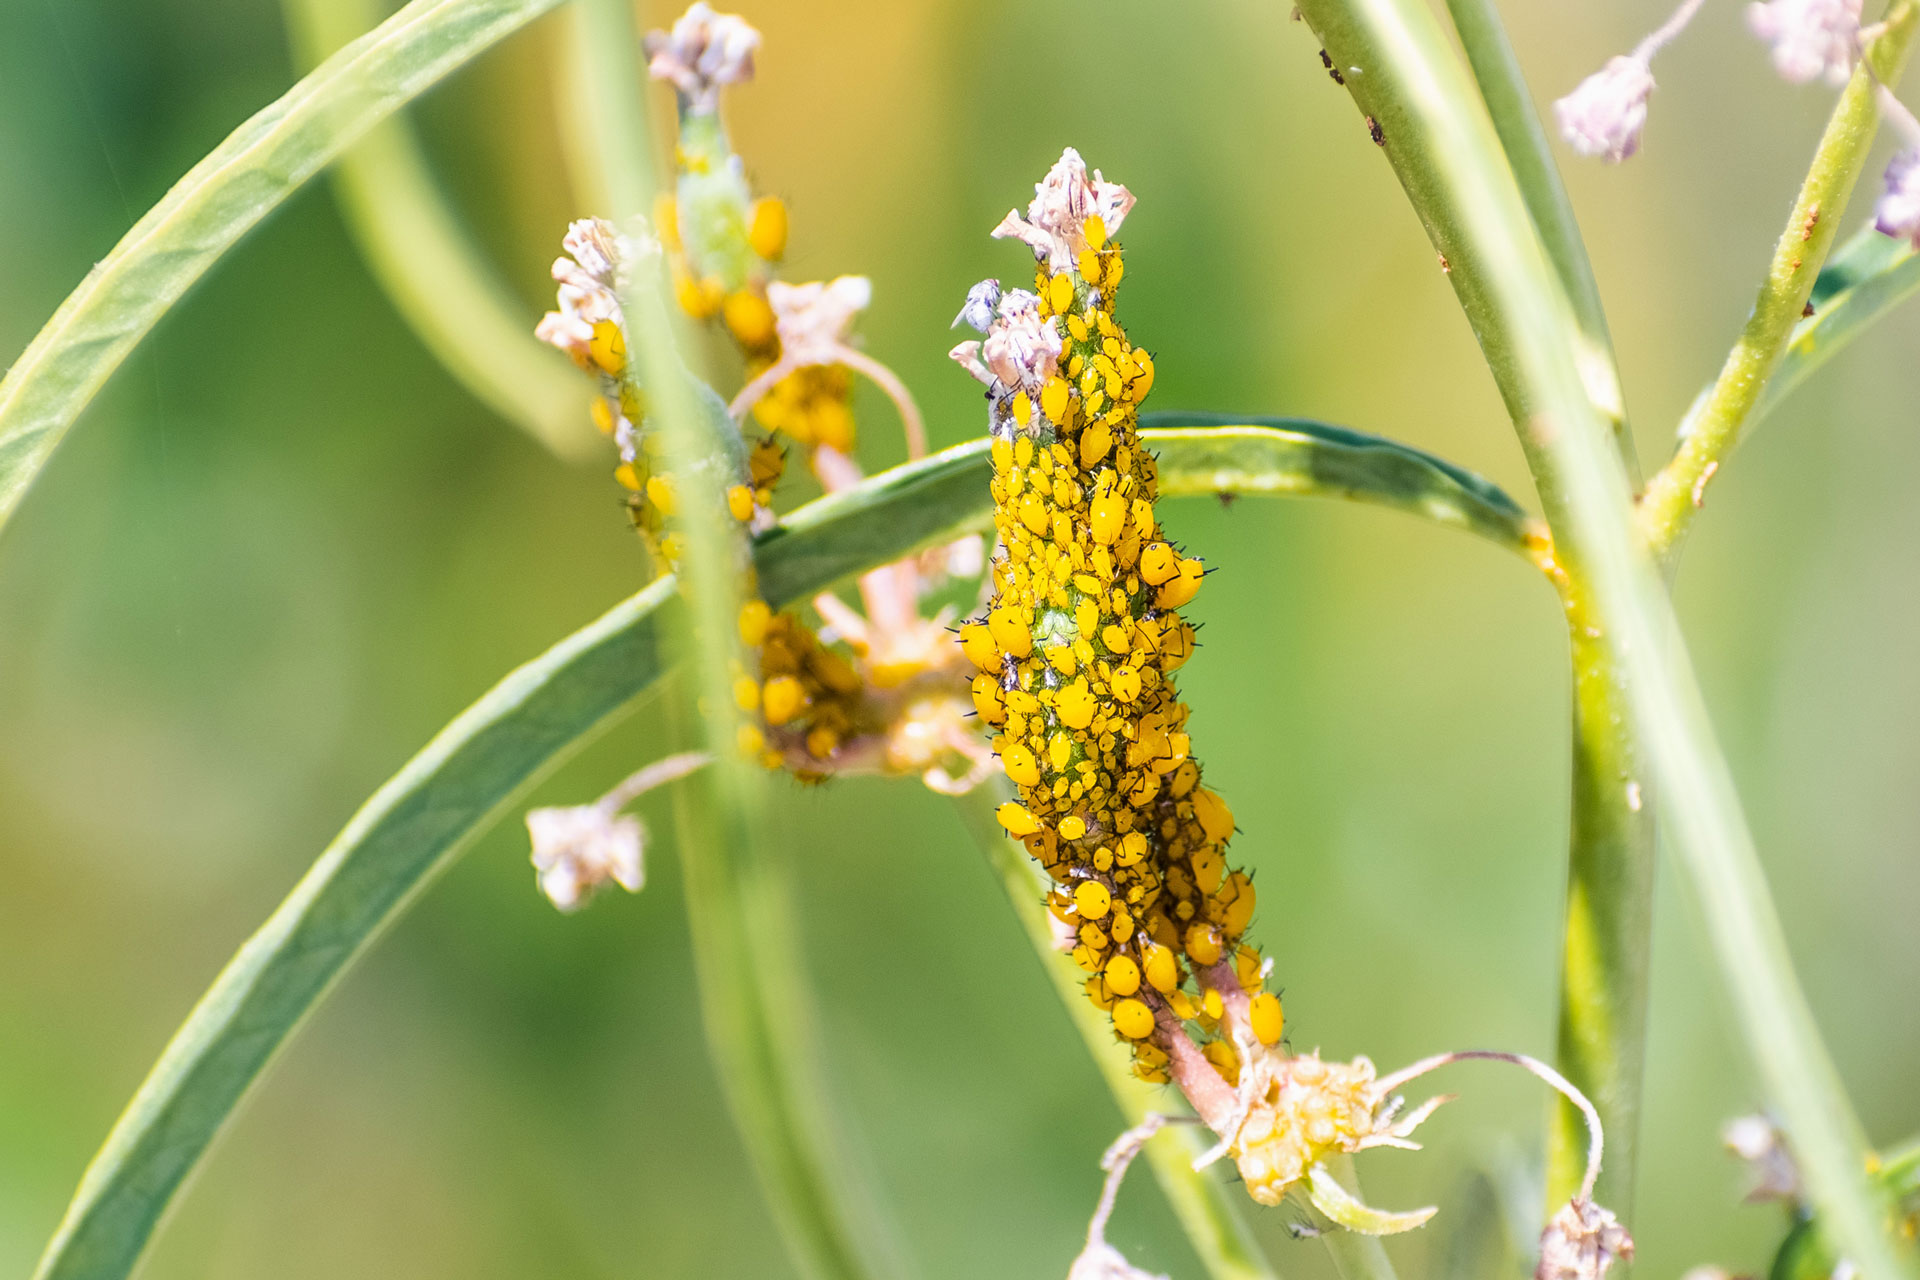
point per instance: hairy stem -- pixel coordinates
(1213, 1225)
(1712, 427)
(1444, 150)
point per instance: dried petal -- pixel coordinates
(1022, 348)
(1055, 225)
(813, 320)
(977, 314)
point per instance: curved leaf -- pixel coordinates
(489, 757)
(415, 246)
(1242, 454)
(219, 200)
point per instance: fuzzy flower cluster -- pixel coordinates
(1809, 39)
(703, 53)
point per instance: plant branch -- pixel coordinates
(1713, 425)
(1444, 151)
(755, 1000)
(1503, 88)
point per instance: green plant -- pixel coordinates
(1071, 657)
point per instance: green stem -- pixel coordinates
(1712, 427)
(755, 1000)
(418, 252)
(1445, 152)
(1504, 89)
(1213, 1226)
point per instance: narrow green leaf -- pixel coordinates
(438, 279)
(1239, 454)
(489, 757)
(1868, 277)
(219, 200)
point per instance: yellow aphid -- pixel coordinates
(1125, 684)
(1123, 976)
(1060, 750)
(1017, 819)
(976, 641)
(1075, 705)
(1089, 263)
(1094, 443)
(767, 232)
(1239, 895)
(755, 616)
(1022, 407)
(740, 502)
(1212, 1004)
(602, 414)
(1053, 398)
(1203, 943)
(1098, 991)
(1132, 1019)
(748, 317)
(1073, 827)
(1214, 816)
(1010, 632)
(783, 699)
(1105, 517)
(629, 477)
(1060, 293)
(1092, 900)
(1020, 766)
(1183, 587)
(1268, 1019)
(1095, 230)
(608, 348)
(1158, 563)
(660, 494)
(666, 223)
(746, 693)
(1162, 970)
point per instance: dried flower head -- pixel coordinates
(590, 278)
(1897, 211)
(1581, 1242)
(1604, 115)
(704, 52)
(1810, 38)
(977, 314)
(1022, 348)
(1055, 227)
(813, 320)
(578, 849)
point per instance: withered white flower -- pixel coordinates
(1604, 115)
(1022, 348)
(977, 314)
(600, 259)
(1581, 1242)
(580, 848)
(704, 52)
(814, 320)
(1056, 221)
(1810, 38)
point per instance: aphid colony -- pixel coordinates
(1077, 650)
(890, 697)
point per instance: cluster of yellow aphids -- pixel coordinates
(1077, 650)
(889, 697)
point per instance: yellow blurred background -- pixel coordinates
(284, 547)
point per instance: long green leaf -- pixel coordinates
(489, 757)
(219, 200)
(437, 278)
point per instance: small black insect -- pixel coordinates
(1378, 134)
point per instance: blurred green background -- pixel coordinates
(283, 548)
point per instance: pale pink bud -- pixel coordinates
(813, 320)
(1810, 38)
(1605, 114)
(1897, 211)
(704, 51)
(578, 849)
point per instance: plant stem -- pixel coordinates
(1504, 89)
(1444, 151)
(1213, 1225)
(755, 1000)
(1712, 426)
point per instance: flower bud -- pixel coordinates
(1810, 38)
(1605, 114)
